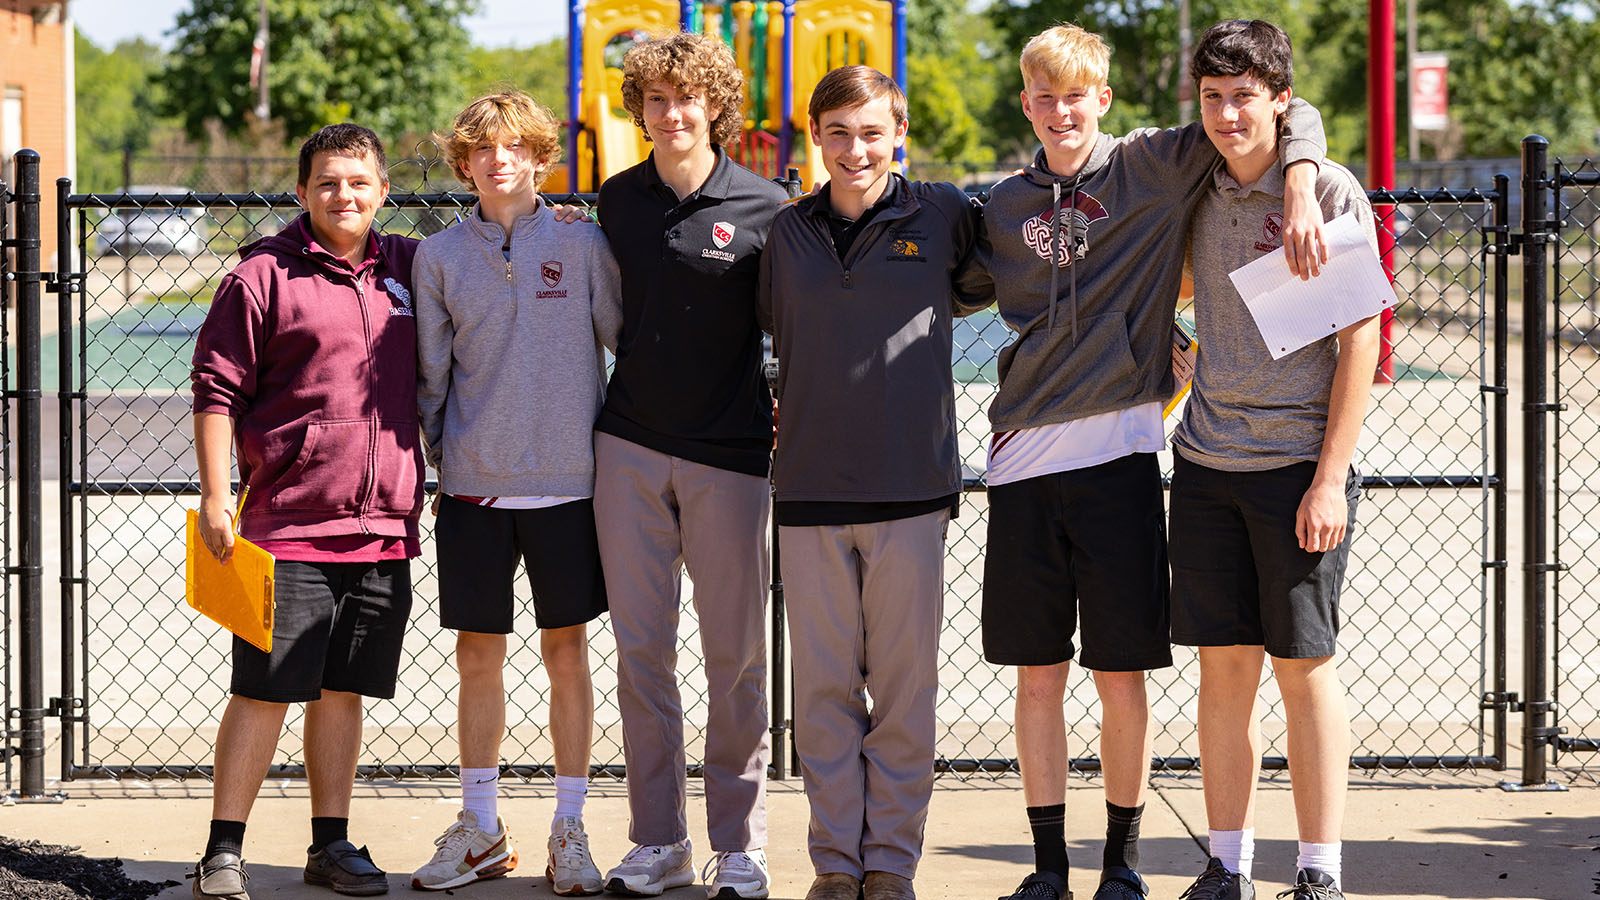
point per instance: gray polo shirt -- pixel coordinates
(1247, 411)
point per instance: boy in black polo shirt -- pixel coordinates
(856, 290)
(681, 456)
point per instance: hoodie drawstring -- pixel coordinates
(1057, 214)
(1072, 269)
(1055, 249)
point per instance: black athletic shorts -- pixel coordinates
(1085, 544)
(1239, 576)
(479, 547)
(335, 626)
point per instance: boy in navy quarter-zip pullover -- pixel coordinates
(856, 290)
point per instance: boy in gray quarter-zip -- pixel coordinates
(856, 290)
(514, 312)
(1263, 493)
(1083, 252)
(308, 360)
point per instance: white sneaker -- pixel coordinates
(571, 871)
(649, 869)
(466, 854)
(736, 875)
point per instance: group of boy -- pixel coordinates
(331, 348)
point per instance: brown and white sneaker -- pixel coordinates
(466, 853)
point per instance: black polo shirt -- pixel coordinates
(688, 378)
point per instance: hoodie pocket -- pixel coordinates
(399, 467)
(330, 473)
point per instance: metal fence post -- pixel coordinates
(1536, 407)
(29, 565)
(67, 289)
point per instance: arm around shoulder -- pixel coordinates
(605, 292)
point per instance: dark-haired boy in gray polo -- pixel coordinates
(1263, 494)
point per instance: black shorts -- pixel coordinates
(335, 627)
(478, 551)
(1091, 544)
(1239, 576)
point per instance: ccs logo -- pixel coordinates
(722, 234)
(551, 272)
(1272, 228)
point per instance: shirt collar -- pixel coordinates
(374, 246)
(1270, 182)
(891, 194)
(717, 184)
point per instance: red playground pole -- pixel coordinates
(1380, 155)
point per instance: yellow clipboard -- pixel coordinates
(237, 594)
(1185, 352)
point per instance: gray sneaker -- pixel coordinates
(1313, 884)
(220, 876)
(1217, 883)
(650, 869)
(570, 870)
(346, 869)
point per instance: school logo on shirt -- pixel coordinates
(904, 250)
(1074, 241)
(721, 234)
(550, 271)
(1271, 233)
(399, 292)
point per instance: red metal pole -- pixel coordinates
(1380, 153)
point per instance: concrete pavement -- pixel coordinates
(1410, 837)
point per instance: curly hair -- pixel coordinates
(508, 113)
(687, 60)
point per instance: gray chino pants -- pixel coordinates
(865, 604)
(657, 514)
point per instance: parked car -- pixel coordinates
(155, 230)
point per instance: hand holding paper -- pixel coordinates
(1291, 313)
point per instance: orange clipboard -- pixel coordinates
(1185, 352)
(237, 594)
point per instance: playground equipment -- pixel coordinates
(783, 47)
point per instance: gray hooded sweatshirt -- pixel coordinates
(510, 368)
(1093, 331)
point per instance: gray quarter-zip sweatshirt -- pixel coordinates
(510, 368)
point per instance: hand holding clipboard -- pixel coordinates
(236, 594)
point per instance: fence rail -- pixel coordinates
(1424, 650)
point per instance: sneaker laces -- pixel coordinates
(572, 849)
(1311, 890)
(1035, 889)
(642, 852)
(454, 839)
(728, 862)
(1212, 884)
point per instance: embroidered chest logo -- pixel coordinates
(1271, 233)
(722, 234)
(398, 291)
(905, 250)
(1074, 240)
(551, 272)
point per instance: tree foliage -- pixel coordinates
(951, 83)
(541, 70)
(395, 67)
(115, 91)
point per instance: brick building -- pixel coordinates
(36, 97)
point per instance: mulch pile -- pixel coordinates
(30, 870)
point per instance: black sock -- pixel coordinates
(327, 829)
(1122, 836)
(1049, 838)
(225, 836)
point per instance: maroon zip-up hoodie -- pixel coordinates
(317, 365)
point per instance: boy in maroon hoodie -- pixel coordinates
(307, 362)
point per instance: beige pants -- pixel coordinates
(865, 604)
(657, 514)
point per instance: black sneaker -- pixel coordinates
(1121, 883)
(346, 869)
(1313, 884)
(220, 876)
(1217, 883)
(1041, 886)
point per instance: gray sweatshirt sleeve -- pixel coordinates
(435, 334)
(1300, 135)
(972, 284)
(1154, 153)
(605, 292)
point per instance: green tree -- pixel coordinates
(951, 83)
(541, 70)
(395, 67)
(116, 93)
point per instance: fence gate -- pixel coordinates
(8, 746)
(1575, 313)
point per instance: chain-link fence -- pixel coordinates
(1575, 289)
(1423, 643)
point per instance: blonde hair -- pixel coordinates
(685, 60)
(509, 114)
(1066, 56)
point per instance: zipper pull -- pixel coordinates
(508, 270)
(846, 277)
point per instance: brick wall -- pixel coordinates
(33, 58)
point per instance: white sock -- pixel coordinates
(480, 795)
(571, 790)
(1322, 857)
(1236, 850)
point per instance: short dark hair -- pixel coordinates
(1245, 47)
(344, 139)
